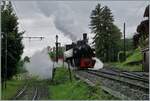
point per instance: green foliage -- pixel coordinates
(20, 67)
(64, 89)
(126, 67)
(107, 35)
(121, 56)
(141, 39)
(135, 58)
(70, 91)
(60, 52)
(128, 44)
(132, 63)
(52, 55)
(12, 38)
(26, 59)
(11, 90)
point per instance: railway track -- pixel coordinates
(27, 93)
(129, 75)
(35, 97)
(135, 73)
(33, 90)
(138, 75)
(126, 80)
(20, 93)
(122, 84)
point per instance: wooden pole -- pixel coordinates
(69, 72)
(53, 72)
(124, 42)
(54, 68)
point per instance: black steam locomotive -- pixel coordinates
(80, 54)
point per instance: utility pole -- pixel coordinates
(124, 42)
(54, 68)
(57, 45)
(5, 67)
(4, 35)
(5, 60)
(57, 48)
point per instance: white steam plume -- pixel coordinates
(64, 18)
(40, 65)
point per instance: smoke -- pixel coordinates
(40, 65)
(64, 18)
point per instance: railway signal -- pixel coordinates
(54, 68)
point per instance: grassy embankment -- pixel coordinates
(11, 89)
(62, 88)
(132, 63)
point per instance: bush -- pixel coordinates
(135, 58)
(121, 55)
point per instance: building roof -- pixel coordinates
(146, 13)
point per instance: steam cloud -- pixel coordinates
(64, 18)
(40, 65)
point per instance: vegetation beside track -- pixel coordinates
(64, 89)
(11, 89)
(132, 63)
(126, 67)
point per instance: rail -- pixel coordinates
(114, 76)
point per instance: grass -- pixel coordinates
(132, 63)
(64, 89)
(121, 66)
(11, 89)
(135, 57)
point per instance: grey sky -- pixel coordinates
(69, 19)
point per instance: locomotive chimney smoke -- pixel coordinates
(85, 37)
(63, 18)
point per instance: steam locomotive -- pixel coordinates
(80, 54)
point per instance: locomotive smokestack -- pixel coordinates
(85, 37)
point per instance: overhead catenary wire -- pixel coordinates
(16, 11)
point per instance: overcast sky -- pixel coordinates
(69, 19)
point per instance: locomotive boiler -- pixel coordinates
(80, 54)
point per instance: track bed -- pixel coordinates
(121, 84)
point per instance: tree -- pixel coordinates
(141, 38)
(106, 33)
(26, 59)
(115, 40)
(13, 37)
(129, 44)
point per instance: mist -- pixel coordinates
(40, 65)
